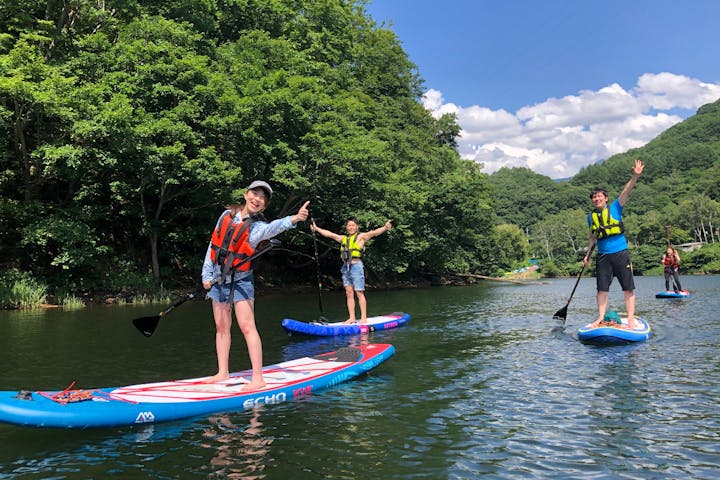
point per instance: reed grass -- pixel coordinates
(26, 293)
(71, 302)
(145, 299)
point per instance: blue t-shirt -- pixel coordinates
(613, 243)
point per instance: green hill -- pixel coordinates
(680, 187)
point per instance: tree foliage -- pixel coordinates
(128, 127)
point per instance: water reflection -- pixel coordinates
(619, 399)
(241, 452)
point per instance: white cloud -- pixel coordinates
(560, 135)
(665, 91)
(432, 100)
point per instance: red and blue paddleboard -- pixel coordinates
(166, 401)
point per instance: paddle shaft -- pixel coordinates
(317, 264)
(176, 303)
(147, 325)
(562, 313)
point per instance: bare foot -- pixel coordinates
(350, 321)
(218, 377)
(596, 323)
(633, 325)
(363, 321)
(255, 385)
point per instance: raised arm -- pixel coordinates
(625, 194)
(325, 233)
(374, 233)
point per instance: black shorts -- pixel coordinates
(611, 265)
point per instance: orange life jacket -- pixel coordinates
(229, 245)
(670, 261)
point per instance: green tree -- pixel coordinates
(512, 246)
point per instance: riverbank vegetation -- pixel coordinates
(127, 128)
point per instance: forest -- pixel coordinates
(129, 125)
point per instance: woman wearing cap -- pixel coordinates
(238, 288)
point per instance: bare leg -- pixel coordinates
(602, 298)
(245, 313)
(630, 307)
(363, 306)
(350, 299)
(223, 322)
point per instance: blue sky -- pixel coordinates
(555, 85)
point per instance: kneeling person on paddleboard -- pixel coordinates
(613, 257)
(229, 279)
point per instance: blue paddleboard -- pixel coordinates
(383, 322)
(615, 333)
(673, 294)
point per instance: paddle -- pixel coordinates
(147, 325)
(319, 278)
(562, 313)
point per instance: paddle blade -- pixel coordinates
(147, 325)
(561, 314)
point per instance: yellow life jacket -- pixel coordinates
(349, 248)
(604, 225)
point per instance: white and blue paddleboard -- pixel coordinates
(383, 322)
(673, 294)
(165, 401)
(615, 333)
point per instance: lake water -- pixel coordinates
(484, 384)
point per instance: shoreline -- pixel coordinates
(108, 298)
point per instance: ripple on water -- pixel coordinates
(483, 383)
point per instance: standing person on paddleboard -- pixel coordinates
(352, 270)
(613, 257)
(671, 262)
(237, 234)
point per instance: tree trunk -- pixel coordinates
(154, 255)
(21, 149)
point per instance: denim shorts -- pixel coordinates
(243, 289)
(354, 275)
